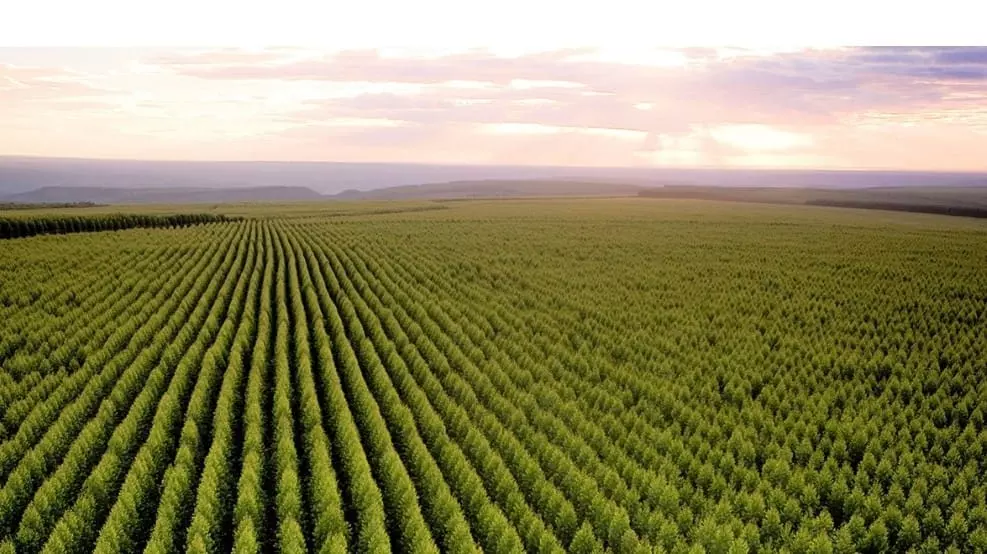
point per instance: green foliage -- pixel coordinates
(550, 376)
(19, 227)
(584, 542)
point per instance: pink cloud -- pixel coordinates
(222, 56)
(42, 83)
(298, 104)
(809, 87)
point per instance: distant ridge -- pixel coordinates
(22, 174)
(161, 195)
(431, 191)
(492, 189)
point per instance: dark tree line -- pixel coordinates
(42, 205)
(941, 209)
(16, 227)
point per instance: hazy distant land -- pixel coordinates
(67, 181)
(22, 174)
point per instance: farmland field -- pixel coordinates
(581, 375)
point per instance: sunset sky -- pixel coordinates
(514, 102)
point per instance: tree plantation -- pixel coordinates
(583, 375)
(16, 227)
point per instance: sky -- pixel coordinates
(652, 87)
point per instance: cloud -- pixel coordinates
(925, 55)
(794, 86)
(974, 56)
(372, 66)
(23, 88)
(709, 106)
(554, 107)
(688, 105)
(219, 56)
(760, 138)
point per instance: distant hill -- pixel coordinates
(22, 174)
(433, 191)
(492, 189)
(161, 195)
